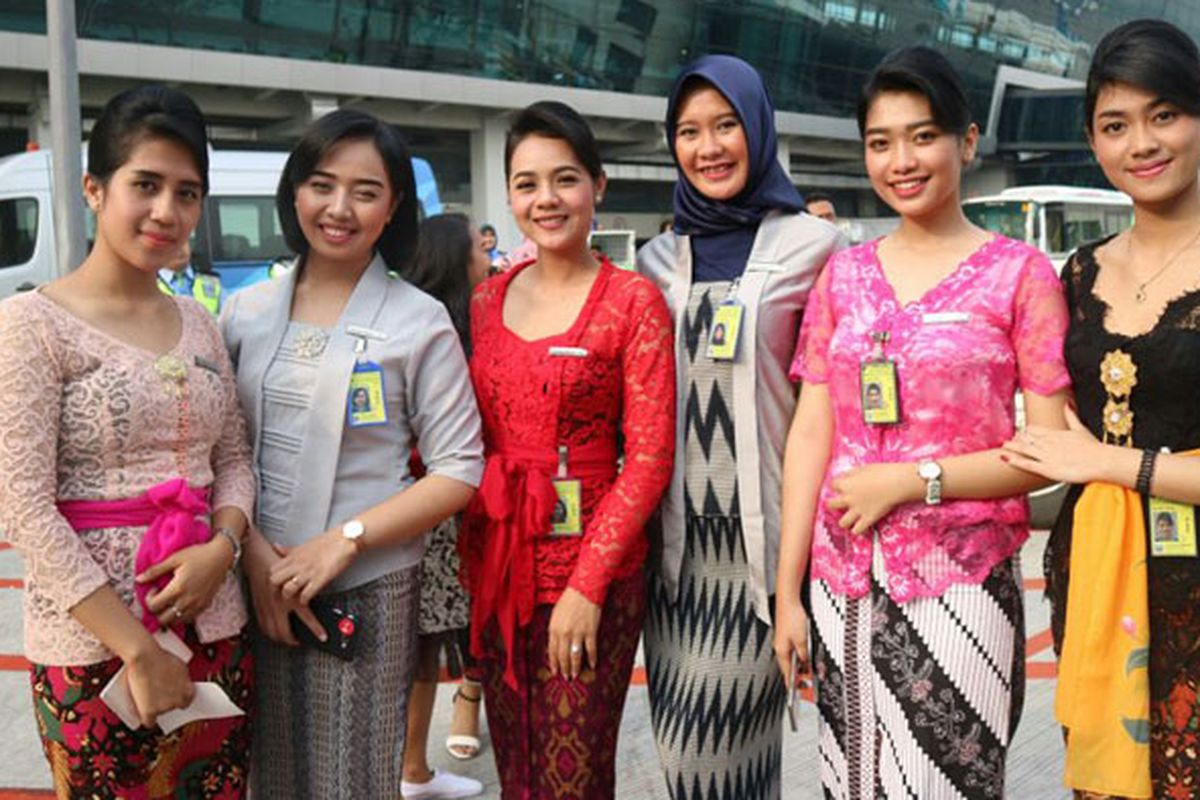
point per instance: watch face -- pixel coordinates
(929, 470)
(352, 529)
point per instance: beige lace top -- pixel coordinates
(85, 416)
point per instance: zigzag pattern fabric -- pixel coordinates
(920, 700)
(716, 699)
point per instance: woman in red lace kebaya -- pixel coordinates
(569, 356)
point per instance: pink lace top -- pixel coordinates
(995, 325)
(87, 417)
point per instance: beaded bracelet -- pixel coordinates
(1146, 471)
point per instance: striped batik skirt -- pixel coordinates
(329, 729)
(918, 700)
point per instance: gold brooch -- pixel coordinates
(1118, 418)
(1118, 373)
(310, 343)
(171, 369)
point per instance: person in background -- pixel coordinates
(906, 513)
(125, 479)
(180, 277)
(1126, 609)
(448, 264)
(570, 357)
(820, 205)
(341, 520)
(489, 242)
(741, 258)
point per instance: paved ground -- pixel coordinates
(1034, 766)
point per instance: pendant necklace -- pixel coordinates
(1140, 295)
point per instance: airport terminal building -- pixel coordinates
(448, 73)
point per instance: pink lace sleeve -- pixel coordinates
(1039, 325)
(648, 423)
(56, 560)
(811, 362)
(233, 479)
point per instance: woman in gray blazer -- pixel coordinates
(339, 516)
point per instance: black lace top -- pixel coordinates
(1166, 413)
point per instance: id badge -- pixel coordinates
(364, 400)
(567, 517)
(1172, 529)
(880, 392)
(727, 324)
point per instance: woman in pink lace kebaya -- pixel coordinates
(911, 351)
(122, 440)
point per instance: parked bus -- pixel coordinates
(1054, 219)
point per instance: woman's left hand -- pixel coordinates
(308, 568)
(197, 573)
(1070, 456)
(573, 627)
(867, 494)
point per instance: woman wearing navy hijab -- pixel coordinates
(740, 260)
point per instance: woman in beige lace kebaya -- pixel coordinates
(121, 440)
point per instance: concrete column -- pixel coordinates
(784, 154)
(39, 118)
(489, 198)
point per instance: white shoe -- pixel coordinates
(442, 786)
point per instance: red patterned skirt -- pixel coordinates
(554, 738)
(92, 754)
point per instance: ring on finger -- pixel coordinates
(175, 612)
(576, 649)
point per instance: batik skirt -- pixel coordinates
(918, 700)
(556, 738)
(93, 755)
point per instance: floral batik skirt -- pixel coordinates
(92, 754)
(556, 738)
(920, 699)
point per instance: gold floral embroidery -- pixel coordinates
(1118, 374)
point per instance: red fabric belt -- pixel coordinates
(515, 501)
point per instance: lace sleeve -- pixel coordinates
(811, 362)
(233, 479)
(31, 383)
(1039, 327)
(648, 424)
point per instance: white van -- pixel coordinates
(239, 234)
(1054, 219)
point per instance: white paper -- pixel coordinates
(210, 701)
(945, 317)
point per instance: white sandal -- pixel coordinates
(464, 746)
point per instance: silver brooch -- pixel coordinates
(310, 343)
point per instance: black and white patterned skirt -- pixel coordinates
(920, 700)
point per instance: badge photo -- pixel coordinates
(726, 325)
(567, 517)
(1172, 529)
(364, 400)
(880, 393)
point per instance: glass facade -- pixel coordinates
(813, 53)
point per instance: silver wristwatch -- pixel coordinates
(353, 532)
(931, 472)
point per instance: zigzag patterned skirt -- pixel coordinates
(716, 698)
(919, 701)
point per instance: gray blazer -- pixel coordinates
(427, 393)
(788, 253)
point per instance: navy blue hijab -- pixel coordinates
(723, 231)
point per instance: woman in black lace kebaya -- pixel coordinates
(1133, 350)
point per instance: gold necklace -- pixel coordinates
(1140, 295)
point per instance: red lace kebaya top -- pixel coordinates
(611, 374)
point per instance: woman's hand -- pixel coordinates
(791, 635)
(307, 569)
(271, 608)
(158, 682)
(1070, 456)
(197, 572)
(573, 626)
(867, 494)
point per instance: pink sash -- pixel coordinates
(173, 512)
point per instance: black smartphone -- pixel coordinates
(341, 626)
